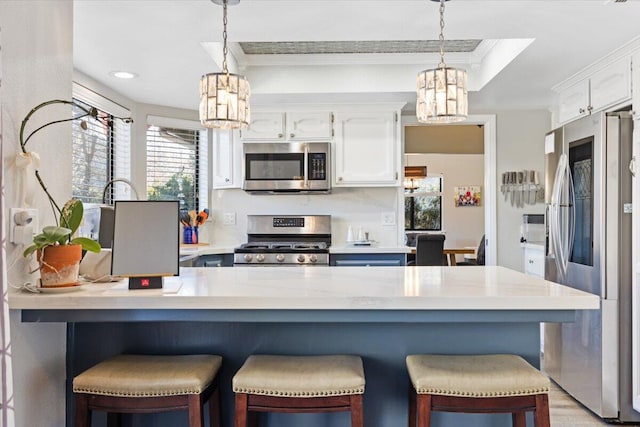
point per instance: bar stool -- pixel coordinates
(148, 384)
(295, 384)
(496, 383)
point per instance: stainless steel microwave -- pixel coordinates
(282, 167)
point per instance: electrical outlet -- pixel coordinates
(24, 224)
(229, 218)
(388, 218)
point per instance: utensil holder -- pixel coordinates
(190, 235)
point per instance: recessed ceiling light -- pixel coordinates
(123, 74)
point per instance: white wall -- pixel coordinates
(464, 226)
(37, 66)
(520, 139)
(347, 206)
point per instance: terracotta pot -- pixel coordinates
(59, 265)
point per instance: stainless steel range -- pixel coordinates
(285, 240)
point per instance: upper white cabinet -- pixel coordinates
(226, 160)
(366, 149)
(265, 127)
(573, 101)
(635, 78)
(290, 126)
(309, 126)
(609, 86)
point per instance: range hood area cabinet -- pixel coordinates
(289, 126)
(609, 86)
(367, 151)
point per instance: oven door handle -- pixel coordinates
(305, 184)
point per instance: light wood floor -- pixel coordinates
(565, 411)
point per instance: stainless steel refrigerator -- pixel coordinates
(588, 224)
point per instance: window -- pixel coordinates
(423, 204)
(101, 152)
(177, 159)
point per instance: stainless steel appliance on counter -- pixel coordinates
(285, 240)
(291, 167)
(588, 218)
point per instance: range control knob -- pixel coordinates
(260, 258)
(280, 258)
(313, 258)
(248, 257)
(300, 258)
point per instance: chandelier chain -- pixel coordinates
(224, 37)
(442, 64)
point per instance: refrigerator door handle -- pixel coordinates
(571, 217)
(562, 237)
(554, 217)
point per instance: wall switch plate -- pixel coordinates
(23, 225)
(388, 218)
(229, 218)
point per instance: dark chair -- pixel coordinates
(429, 250)
(479, 255)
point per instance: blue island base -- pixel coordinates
(383, 347)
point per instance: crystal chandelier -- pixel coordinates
(442, 91)
(224, 97)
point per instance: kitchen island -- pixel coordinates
(382, 314)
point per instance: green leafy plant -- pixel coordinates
(71, 217)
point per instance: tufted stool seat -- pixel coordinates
(143, 384)
(267, 383)
(476, 383)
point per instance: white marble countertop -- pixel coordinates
(198, 250)
(324, 288)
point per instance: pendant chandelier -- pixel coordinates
(224, 97)
(412, 174)
(442, 91)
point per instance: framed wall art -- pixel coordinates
(468, 195)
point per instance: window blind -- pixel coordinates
(102, 151)
(177, 163)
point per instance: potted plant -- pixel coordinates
(58, 251)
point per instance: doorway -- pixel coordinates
(488, 189)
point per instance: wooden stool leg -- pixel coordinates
(424, 410)
(242, 408)
(412, 407)
(519, 419)
(214, 409)
(83, 415)
(541, 414)
(196, 418)
(114, 419)
(357, 416)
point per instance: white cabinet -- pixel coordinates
(309, 126)
(635, 79)
(573, 101)
(534, 260)
(366, 149)
(265, 127)
(609, 86)
(226, 157)
(290, 126)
